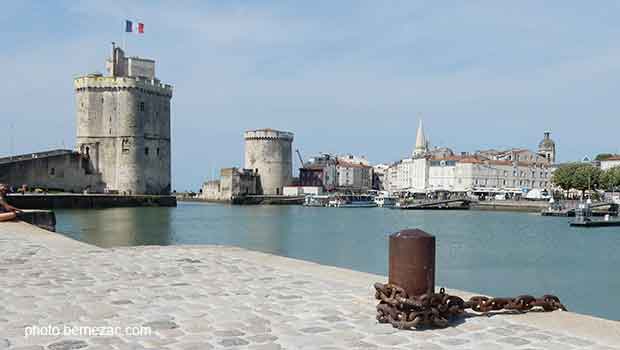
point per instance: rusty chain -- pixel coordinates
(438, 309)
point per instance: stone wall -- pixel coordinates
(67, 171)
(233, 183)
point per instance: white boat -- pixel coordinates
(385, 201)
(316, 200)
(353, 201)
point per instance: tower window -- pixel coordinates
(52, 171)
(157, 150)
(142, 106)
(125, 146)
(146, 151)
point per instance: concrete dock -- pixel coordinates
(215, 297)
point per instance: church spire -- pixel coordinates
(420, 141)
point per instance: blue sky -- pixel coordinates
(345, 77)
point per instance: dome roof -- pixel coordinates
(546, 142)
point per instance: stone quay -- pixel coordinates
(57, 293)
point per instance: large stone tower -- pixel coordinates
(123, 125)
(546, 148)
(269, 153)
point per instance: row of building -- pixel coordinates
(438, 169)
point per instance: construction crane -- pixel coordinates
(301, 161)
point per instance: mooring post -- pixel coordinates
(412, 261)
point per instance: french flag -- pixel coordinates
(129, 27)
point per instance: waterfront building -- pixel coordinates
(353, 176)
(379, 177)
(511, 171)
(610, 162)
(345, 172)
(320, 172)
(468, 173)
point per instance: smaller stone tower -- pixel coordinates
(546, 148)
(269, 153)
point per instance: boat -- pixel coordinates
(316, 200)
(583, 218)
(386, 201)
(352, 201)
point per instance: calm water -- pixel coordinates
(496, 253)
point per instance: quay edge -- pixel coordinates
(88, 201)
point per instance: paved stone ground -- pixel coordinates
(211, 297)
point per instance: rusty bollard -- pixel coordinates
(409, 299)
(412, 261)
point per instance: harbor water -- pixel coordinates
(494, 253)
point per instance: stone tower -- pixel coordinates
(546, 148)
(421, 146)
(269, 153)
(123, 125)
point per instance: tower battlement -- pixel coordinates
(268, 134)
(95, 82)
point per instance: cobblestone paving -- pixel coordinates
(213, 297)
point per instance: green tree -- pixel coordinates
(564, 176)
(578, 176)
(610, 178)
(586, 177)
(603, 156)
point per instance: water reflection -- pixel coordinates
(118, 226)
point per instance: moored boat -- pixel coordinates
(583, 216)
(386, 201)
(316, 200)
(352, 201)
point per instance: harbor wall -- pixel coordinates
(528, 206)
(45, 219)
(88, 201)
(63, 170)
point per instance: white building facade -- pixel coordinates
(610, 162)
(515, 170)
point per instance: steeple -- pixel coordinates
(420, 141)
